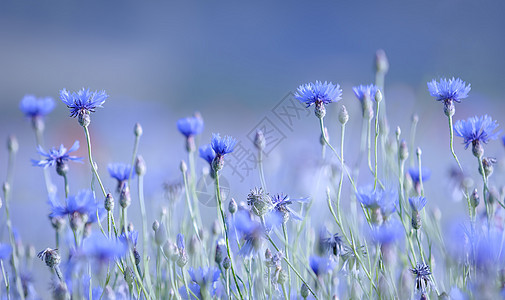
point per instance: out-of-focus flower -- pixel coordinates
(280, 204)
(365, 91)
(5, 251)
(190, 126)
(121, 172)
(414, 174)
(321, 265)
(381, 202)
(82, 208)
(34, 107)
(101, 249)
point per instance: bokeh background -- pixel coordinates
(234, 62)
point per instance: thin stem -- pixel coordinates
(134, 155)
(369, 144)
(340, 182)
(67, 187)
(140, 188)
(451, 132)
(375, 142)
(321, 123)
(225, 227)
(413, 128)
(286, 249)
(421, 186)
(484, 190)
(190, 206)
(6, 280)
(260, 170)
(91, 162)
(185, 284)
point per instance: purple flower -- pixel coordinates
(101, 249)
(318, 93)
(280, 205)
(207, 153)
(417, 203)
(190, 126)
(414, 174)
(476, 130)
(387, 233)
(321, 265)
(5, 251)
(82, 102)
(449, 90)
(224, 145)
(56, 156)
(121, 172)
(34, 107)
(81, 208)
(365, 91)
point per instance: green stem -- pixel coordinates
(91, 162)
(451, 132)
(321, 123)
(67, 187)
(260, 170)
(485, 190)
(140, 188)
(190, 206)
(413, 128)
(375, 142)
(6, 280)
(286, 249)
(185, 284)
(225, 227)
(340, 182)
(134, 155)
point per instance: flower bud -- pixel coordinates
(109, 202)
(378, 96)
(259, 140)
(218, 163)
(136, 255)
(232, 207)
(216, 228)
(50, 256)
(160, 235)
(474, 198)
(194, 245)
(12, 144)
(183, 167)
(304, 291)
(61, 168)
(416, 220)
(137, 130)
(219, 255)
(171, 251)
(268, 254)
(140, 166)
(124, 197)
(183, 259)
(226, 263)
(343, 115)
(381, 61)
(320, 110)
(84, 119)
(129, 276)
(449, 108)
(477, 149)
(487, 163)
(156, 225)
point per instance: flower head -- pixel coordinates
(280, 204)
(415, 174)
(121, 172)
(417, 203)
(259, 201)
(251, 232)
(224, 145)
(83, 101)
(318, 93)
(449, 90)
(204, 281)
(81, 208)
(101, 249)
(380, 201)
(330, 244)
(34, 107)
(422, 272)
(365, 91)
(57, 157)
(5, 251)
(387, 233)
(475, 131)
(190, 126)
(207, 153)
(321, 265)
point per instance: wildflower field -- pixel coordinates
(378, 237)
(252, 151)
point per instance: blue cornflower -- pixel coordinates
(365, 91)
(82, 103)
(251, 231)
(322, 93)
(321, 265)
(34, 107)
(207, 153)
(180, 242)
(319, 94)
(422, 272)
(380, 202)
(280, 204)
(121, 172)
(224, 145)
(81, 208)
(204, 281)
(414, 174)
(57, 157)
(475, 131)
(330, 244)
(417, 203)
(101, 249)
(221, 146)
(190, 126)
(129, 238)
(5, 251)
(387, 233)
(449, 90)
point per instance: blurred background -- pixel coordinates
(237, 63)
